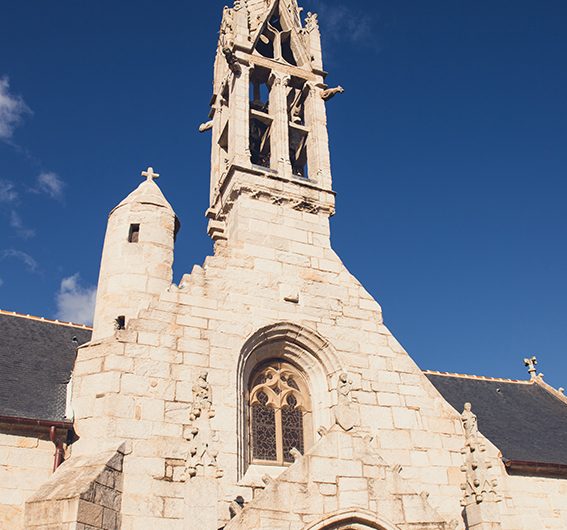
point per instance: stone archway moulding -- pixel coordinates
(307, 339)
(300, 345)
(352, 519)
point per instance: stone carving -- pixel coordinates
(227, 35)
(295, 12)
(207, 126)
(232, 61)
(311, 22)
(470, 423)
(531, 364)
(346, 412)
(331, 92)
(150, 174)
(478, 486)
(202, 457)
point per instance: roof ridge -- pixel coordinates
(43, 319)
(478, 377)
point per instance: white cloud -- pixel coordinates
(341, 22)
(26, 259)
(74, 302)
(17, 223)
(1, 282)
(12, 110)
(8, 193)
(50, 183)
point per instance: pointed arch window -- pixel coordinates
(279, 413)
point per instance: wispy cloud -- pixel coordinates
(8, 193)
(18, 225)
(75, 303)
(12, 110)
(25, 258)
(51, 184)
(342, 23)
(1, 282)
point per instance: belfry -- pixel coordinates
(264, 390)
(268, 118)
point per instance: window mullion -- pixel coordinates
(279, 436)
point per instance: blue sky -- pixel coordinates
(449, 152)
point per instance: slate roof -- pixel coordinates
(527, 422)
(36, 359)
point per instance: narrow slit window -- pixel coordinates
(134, 233)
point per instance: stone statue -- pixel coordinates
(202, 397)
(346, 412)
(470, 423)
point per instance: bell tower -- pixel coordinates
(268, 118)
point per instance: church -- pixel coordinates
(263, 392)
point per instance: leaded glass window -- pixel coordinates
(278, 411)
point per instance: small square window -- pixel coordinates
(134, 234)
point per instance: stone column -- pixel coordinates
(217, 163)
(318, 156)
(279, 138)
(239, 127)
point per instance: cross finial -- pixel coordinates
(149, 174)
(531, 364)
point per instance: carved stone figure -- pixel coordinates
(232, 61)
(202, 456)
(331, 92)
(346, 412)
(469, 421)
(207, 126)
(478, 487)
(202, 397)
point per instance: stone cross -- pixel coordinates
(531, 364)
(149, 174)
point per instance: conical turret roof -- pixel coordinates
(147, 192)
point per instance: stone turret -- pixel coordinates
(137, 256)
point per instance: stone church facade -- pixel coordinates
(264, 391)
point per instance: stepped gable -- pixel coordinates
(36, 360)
(524, 419)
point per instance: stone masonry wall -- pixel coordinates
(85, 493)
(25, 463)
(277, 267)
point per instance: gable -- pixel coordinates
(277, 35)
